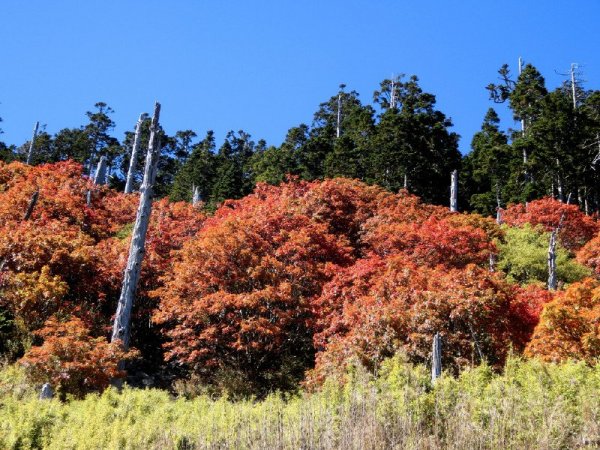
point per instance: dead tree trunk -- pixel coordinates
(436, 358)
(552, 281)
(552, 278)
(196, 197)
(32, 203)
(100, 177)
(46, 393)
(32, 143)
(131, 275)
(134, 151)
(454, 191)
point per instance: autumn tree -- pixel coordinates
(568, 327)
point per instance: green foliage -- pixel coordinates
(523, 257)
(531, 405)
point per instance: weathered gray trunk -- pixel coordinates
(454, 191)
(436, 358)
(32, 203)
(100, 177)
(32, 143)
(552, 281)
(131, 275)
(46, 393)
(405, 181)
(137, 140)
(196, 197)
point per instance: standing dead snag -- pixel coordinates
(131, 275)
(552, 278)
(454, 191)
(32, 143)
(436, 358)
(99, 178)
(137, 140)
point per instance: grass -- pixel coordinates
(530, 405)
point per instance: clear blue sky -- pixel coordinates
(264, 66)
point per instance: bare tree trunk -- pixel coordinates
(100, 177)
(131, 275)
(552, 281)
(454, 191)
(32, 203)
(552, 278)
(436, 358)
(32, 143)
(405, 181)
(196, 197)
(46, 393)
(134, 151)
(574, 85)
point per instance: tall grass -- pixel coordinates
(530, 405)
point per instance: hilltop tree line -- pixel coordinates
(401, 140)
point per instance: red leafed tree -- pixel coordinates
(71, 359)
(576, 228)
(378, 307)
(589, 255)
(569, 326)
(432, 242)
(238, 297)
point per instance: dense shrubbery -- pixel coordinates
(294, 279)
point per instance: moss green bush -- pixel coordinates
(523, 256)
(531, 405)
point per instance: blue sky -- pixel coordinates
(264, 66)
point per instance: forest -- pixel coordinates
(303, 284)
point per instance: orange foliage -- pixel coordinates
(589, 255)
(71, 359)
(569, 327)
(576, 230)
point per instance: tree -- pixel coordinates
(486, 168)
(412, 145)
(72, 359)
(236, 306)
(523, 257)
(198, 171)
(568, 327)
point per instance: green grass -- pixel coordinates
(530, 405)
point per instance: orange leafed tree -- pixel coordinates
(589, 255)
(569, 327)
(72, 359)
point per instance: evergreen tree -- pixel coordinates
(487, 167)
(198, 171)
(413, 143)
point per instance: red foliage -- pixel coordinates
(576, 230)
(71, 359)
(432, 242)
(238, 295)
(378, 307)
